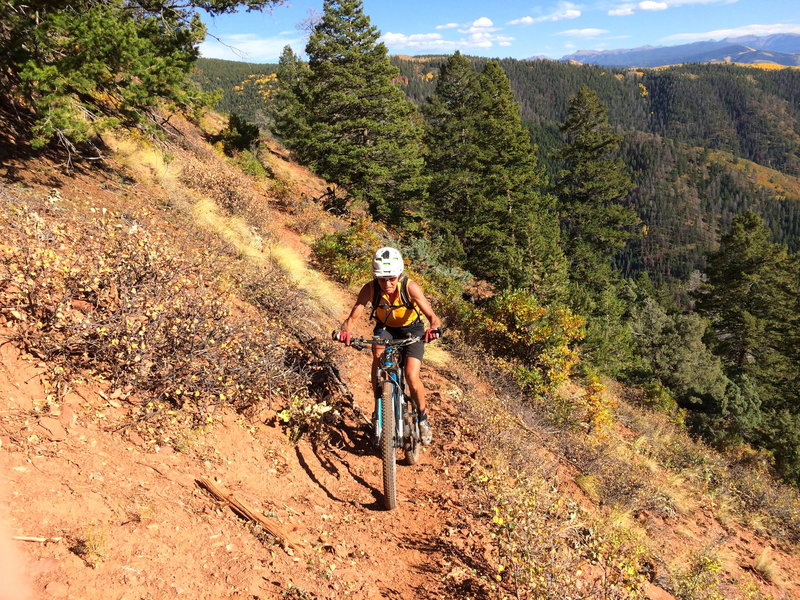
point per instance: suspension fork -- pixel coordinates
(390, 371)
(387, 371)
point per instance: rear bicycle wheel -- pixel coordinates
(388, 453)
(412, 443)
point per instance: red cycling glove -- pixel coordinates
(432, 334)
(344, 337)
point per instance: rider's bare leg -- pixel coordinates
(414, 382)
(376, 353)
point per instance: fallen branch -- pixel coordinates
(271, 526)
(38, 540)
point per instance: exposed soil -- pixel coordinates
(100, 512)
(149, 531)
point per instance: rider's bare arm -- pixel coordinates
(418, 296)
(364, 296)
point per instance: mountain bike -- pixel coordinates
(396, 425)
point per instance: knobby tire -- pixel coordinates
(412, 441)
(388, 453)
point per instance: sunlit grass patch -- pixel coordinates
(315, 284)
(234, 229)
(766, 567)
(437, 356)
(146, 161)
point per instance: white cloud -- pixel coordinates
(583, 33)
(480, 33)
(480, 38)
(650, 5)
(410, 40)
(719, 34)
(622, 11)
(628, 8)
(565, 10)
(249, 47)
(482, 25)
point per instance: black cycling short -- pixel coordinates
(417, 328)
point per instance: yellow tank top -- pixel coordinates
(396, 314)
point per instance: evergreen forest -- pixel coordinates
(569, 220)
(645, 204)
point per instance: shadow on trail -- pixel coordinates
(309, 471)
(377, 503)
(454, 587)
(346, 439)
(356, 440)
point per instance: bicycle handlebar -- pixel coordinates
(361, 343)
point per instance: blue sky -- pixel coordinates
(508, 28)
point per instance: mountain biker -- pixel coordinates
(397, 306)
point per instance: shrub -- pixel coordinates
(91, 546)
(543, 552)
(346, 255)
(540, 340)
(305, 417)
(700, 579)
(120, 302)
(228, 187)
(239, 135)
(249, 163)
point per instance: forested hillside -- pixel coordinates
(245, 87)
(667, 118)
(671, 120)
(615, 397)
(616, 205)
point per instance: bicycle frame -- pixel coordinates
(391, 369)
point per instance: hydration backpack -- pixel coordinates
(405, 299)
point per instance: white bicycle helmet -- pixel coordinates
(387, 262)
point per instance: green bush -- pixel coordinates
(239, 135)
(347, 255)
(540, 340)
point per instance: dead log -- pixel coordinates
(271, 526)
(38, 540)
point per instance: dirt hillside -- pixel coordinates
(99, 509)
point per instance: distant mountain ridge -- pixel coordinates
(780, 49)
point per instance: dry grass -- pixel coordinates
(766, 567)
(590, 485)
(437, 356)
(140, 157)
(323, 292)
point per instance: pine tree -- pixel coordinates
(453, 154)
(363, 133)
(83, 65)
(515, 234)
(287, 106)
(591, 187)
(485, 192)
(751, 298)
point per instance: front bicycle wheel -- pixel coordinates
(388, 453)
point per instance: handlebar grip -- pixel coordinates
(335, 335)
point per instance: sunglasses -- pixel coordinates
(387, 279)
